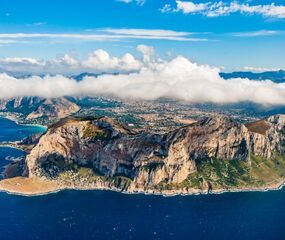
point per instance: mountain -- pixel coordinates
(81, 76)
(38, 109)
(274, 76)
(211, 155)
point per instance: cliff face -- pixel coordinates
(109, 149)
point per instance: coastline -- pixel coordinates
(11, 146)
(15, 186)
(32, 125)
(16, 120)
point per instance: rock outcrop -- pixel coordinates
(110, 149)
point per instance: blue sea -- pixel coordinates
(111, 215)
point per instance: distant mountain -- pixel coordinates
(80, 76)
(37, 109)
(274, 76)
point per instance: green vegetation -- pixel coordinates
(268, 171)
(92, 131)
(85, 172)
(222, 174)
(80, 171)
(121, 180)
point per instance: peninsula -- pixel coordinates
(212, 155)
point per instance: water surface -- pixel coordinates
(110, 215)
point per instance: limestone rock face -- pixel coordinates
(111, 149)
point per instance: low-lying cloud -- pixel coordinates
(178, 78)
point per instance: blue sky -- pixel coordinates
(234, 39)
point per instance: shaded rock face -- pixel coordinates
(111, 149)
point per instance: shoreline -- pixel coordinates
(10, 146)
(55, 188)
(32, 125)
(16, 120)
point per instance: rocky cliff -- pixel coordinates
(213, 152)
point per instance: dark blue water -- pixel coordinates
(110, 215)
(10, 131)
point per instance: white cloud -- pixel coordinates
(108, 35)
(125, 1)
(10, 41)
(260, 69)
(178, 78)
(259, 33)
(36, 24)
(97, 61)
(31, 65)
(101, 60)
(21, 64)
(146, 32)
(190, 7)
(69, 61)
(215, 9)
(166, 8)
(138, 2)
(147, 52)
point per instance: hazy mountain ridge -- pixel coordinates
(274, 76)
(42, 110)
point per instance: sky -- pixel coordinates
(230, 35)
(168, 48)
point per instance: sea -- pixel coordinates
(108, 215)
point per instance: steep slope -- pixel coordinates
(212, 154)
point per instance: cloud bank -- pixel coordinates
(178, 78)
(220, 8)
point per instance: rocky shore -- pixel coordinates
(37, 187)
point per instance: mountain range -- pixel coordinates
(274, 76)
